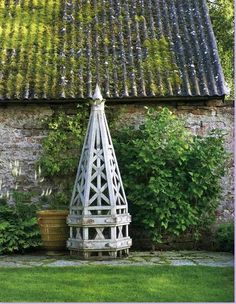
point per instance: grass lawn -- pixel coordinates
(117, 284)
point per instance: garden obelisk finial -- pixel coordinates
(99, 215)
(97, 94)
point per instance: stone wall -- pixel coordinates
(22, 130)
(21, 134)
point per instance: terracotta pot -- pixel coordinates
(54, 229)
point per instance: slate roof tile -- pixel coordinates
(52, 49)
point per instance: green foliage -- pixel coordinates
(224, 237)
(18, 224)
(60, 148)
(60, 155)
(172, 178)
(56, 201)
(222, 16)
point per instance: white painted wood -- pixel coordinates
(99, 220)
(103, 244)
(98, 208)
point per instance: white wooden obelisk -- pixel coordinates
(99, 215)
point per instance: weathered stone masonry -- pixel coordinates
(22, 131)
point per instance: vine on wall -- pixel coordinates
(60, 155)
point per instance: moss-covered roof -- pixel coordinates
(61, 48)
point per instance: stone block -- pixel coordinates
(214, 103)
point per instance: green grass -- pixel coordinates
(117, 284)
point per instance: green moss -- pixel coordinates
(139, 18)
(159, 62)
(46, 43)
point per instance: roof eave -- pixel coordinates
(116, 100)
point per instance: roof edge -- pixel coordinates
(114, 100)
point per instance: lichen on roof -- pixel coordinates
(61, 48)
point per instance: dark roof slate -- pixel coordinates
(133, 48)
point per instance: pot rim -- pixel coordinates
(52, 212)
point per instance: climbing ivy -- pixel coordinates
(62, 145)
